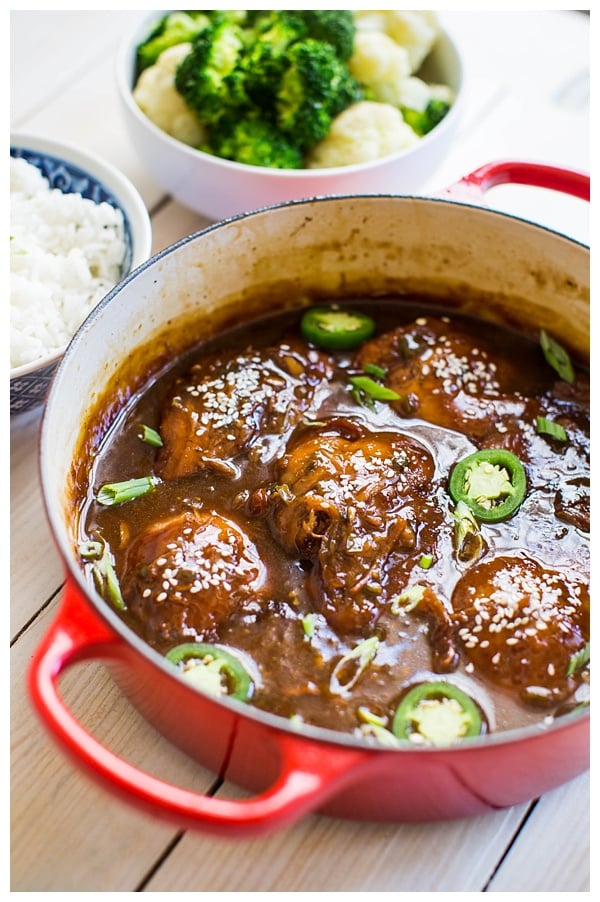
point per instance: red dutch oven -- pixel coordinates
(451, 248)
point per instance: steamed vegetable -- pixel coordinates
(275, 88)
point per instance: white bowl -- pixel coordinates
(74, 170)
(219, 188)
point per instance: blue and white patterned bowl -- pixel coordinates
(74, 170)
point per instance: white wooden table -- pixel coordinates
(527, 98)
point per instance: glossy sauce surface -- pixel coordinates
(291, 516)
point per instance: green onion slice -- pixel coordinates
(549, 427)
(91, 550)
(119, 492)
(308, 625)
(373, 370)
(150, 436)
(372, 389)
(408, 600)
(557, 357)
(103, 572)
(579, 660)
(352, 665)
(376, 726)
(469, 544)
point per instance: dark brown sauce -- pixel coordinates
(299, 570)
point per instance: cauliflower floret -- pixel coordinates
(156, 95)
(379, 64)
(370, 19)
(365, 131)
(415, 30)
(415, 93)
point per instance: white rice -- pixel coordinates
(66, 254)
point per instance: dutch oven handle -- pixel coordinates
(537, 175)
(305, 781)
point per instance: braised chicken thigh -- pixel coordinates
(228, 404)
(183, 576)
(448, 373)
(359, 509)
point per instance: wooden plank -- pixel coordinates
(322, 854)
(67, 833)
(171, 222)
(552, 852)
(36, 569)
(64, 47)
(81, 104)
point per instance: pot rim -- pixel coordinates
(124, 633)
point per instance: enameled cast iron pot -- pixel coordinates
(452, 248)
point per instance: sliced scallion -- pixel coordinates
(367, 716)
(91, 550)
(375, 726)
(354, 663)
(308, 625)
(408, 600)
(426, 561)
(103, 572)
(373, 370)
(150, 436)
(579, 660)
(119, 492)
(469, 544)
(549, 427)
(364, 385)
(557, 357)
(113, 589)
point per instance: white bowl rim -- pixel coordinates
(123, 60)
(125, 193)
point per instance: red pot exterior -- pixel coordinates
(292, 772)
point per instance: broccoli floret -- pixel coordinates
(266, 61)
(210, 79)
(315, 87)
(234, 16)
(267, 84)
(336, 27)
(254, 141)
(423, 121)
(175, 28)
(278, 30)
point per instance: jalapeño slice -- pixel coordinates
(492, 482)
(212, 669)
(437, 714)
(336, 329)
